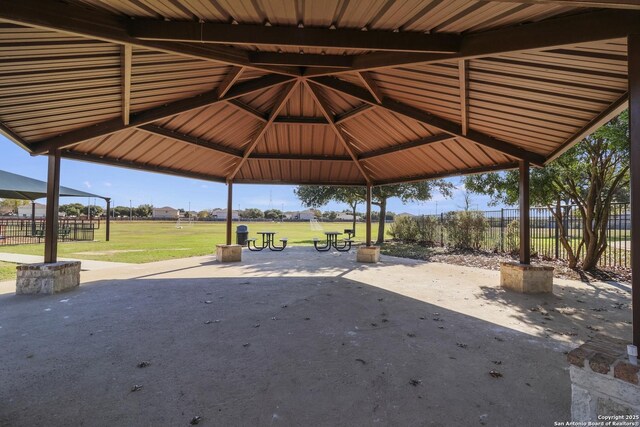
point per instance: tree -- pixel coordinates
(274, 214)
(251, 213)
(204, 214)
(12, 205)
(73, 209)
(317, 196)
(591, 175)
(143, 211)
(329, 215)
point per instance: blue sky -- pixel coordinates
(123, 185)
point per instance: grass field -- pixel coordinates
(7, 270)
(147, 241)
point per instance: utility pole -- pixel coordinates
(130, 210)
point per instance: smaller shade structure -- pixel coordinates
(14, 186)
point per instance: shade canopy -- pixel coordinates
(328, 92)
(13, 186)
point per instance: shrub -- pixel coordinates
(512, 243)
(465, 230)
(427, 229)
(404, 229)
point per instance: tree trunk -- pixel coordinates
(381, 221)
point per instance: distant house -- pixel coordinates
(306, 215)
(166, 212)
(345, 217)
(25, 211)
(222, 214)
(405, 214)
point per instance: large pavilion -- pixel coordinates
(337, 92)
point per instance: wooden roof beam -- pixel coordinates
(463, 79)
(257, 35)
(301, 60)
(428, 140)
(613, 4)
(14, 137)
(449, 174)
(248, 109)
(300, 157)
(367, 80)
(69, 18)
(430, 119)
(348, 115)
(126, 56)
(141, 118)
(92, 158)
(326, 111)
(229, 80)
(547, 34)
(280, 102)
(191, 140)
(301, 120)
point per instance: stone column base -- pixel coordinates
(47, 278)
(228, 253)
(603, 382)
(370, 254)
(525, 278)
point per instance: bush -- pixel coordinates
(404, 229)
(427, 229)
(465, 230)
(512, 243)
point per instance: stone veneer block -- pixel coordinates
(47, 278)
(603, 381)
(228, 253)
(370, 254)
(526, 278)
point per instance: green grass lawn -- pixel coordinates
(147, 241)
(7, 270)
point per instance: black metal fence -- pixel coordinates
(19, 231)
(501, 233)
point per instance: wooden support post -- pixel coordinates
(229, 210)
(53, 196)
(108, 227)
(634, 131)
(369, 191)
(525, 227)
(33, 218)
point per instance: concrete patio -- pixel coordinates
(296, 338)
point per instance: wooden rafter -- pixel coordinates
(126, 55)
(248, 109)
(301, 120)
(300, 60)
(14, 137)
(301, 157)
(326, 111)
(348, 115)
(547, 34)
(609, 113)
(59, 16)
(463, 77)
(209, 32)
(428, 140)
(229, 80)
(470, 171)
(151, 115)
(614, 4)
(430, 119)
(284, 95)
(191, 140)
(367, 79)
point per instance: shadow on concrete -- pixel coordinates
(322, 351)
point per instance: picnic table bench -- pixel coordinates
(268, 241)
(332, 242)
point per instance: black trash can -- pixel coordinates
(242, 234)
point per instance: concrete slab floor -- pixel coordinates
(296, 338)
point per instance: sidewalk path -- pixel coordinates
(87, 265)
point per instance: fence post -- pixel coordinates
(441, 229)
(501, 229)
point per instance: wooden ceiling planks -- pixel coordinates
(57, 86)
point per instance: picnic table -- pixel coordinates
(268, 241)
(332, 242)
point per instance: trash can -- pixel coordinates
(242, 234)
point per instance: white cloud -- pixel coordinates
(204, 186)
(107, 184)
(87, 184)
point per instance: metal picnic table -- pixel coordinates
(332, 242)
(268, 241)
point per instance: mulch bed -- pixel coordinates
(491, 261)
